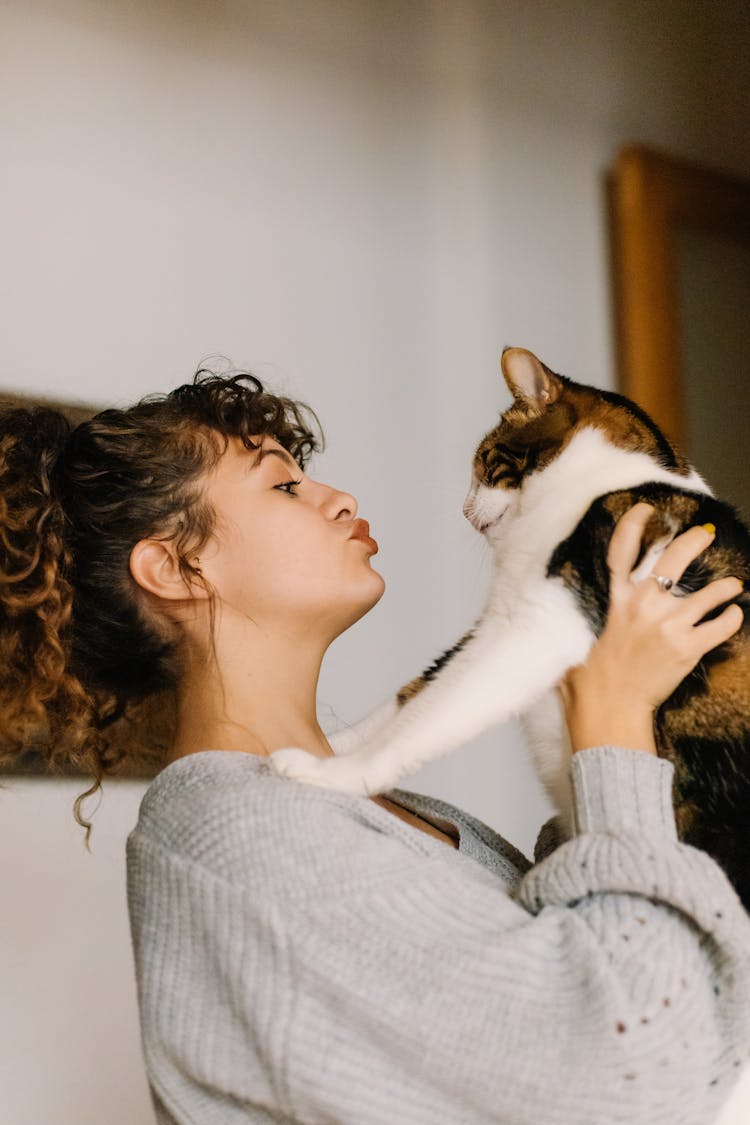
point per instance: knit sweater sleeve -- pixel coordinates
(612, 986)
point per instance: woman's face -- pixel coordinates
(282, 553)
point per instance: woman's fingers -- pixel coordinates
(676, 558)
(698, 604)
(718, 629)
(625, 542)
(625, 545)
(651, 639)
(623, 551)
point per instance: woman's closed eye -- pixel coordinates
(289, 484)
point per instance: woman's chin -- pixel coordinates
(378, 588)
(366, 601)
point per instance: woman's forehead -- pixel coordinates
(242, 458)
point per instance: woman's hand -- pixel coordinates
(650, 641)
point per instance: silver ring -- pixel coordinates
(662, 581)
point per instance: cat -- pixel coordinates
(549, 482)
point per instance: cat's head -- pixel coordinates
(548, 413)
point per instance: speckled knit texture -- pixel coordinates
(305, 956)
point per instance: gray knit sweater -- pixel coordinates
(305, 956)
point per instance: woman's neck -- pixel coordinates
(255, 702)
(229, 735)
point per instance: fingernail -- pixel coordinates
(710, 528)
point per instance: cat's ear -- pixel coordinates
(529, 379)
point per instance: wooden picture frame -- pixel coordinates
(145, 734)
(660, 207)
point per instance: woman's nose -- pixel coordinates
(341, 505)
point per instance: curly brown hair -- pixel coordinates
(79, 649)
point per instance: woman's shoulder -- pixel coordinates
(230, 813)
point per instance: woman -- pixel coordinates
(309, 956)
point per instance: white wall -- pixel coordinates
(362, 202)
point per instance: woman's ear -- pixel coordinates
(155, 568)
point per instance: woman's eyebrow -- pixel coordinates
(270, 452)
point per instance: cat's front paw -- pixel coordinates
(330, 773)
(298, 765)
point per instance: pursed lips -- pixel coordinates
(361, 531)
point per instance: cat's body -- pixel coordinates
(549, 483)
